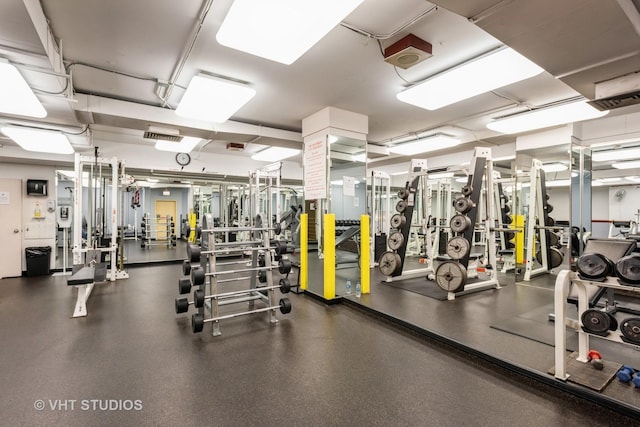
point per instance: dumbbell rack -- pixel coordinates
(154, 225)
(563, 281)
(261, 266)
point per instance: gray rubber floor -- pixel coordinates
(320, 365)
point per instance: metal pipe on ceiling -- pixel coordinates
(394, 32)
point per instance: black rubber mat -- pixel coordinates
(419, 285)
(586, 375)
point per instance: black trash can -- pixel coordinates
(38, 260)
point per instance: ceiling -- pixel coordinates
(129, 63)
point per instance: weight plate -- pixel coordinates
(595, 321)
(556, 257)
(284, 266)
(614, 322)
(463, 204)
(459, 223)
(285, 285)
(262, 276)
(197, 322)
(182, 305)
(509, 235)
(451, 276)
(197, 276)
(401, 206)
(549, 208)
(466, 190)
(628, 269)
(554, 239)
(549, 222)
(285, 306)
(278, 229)
(396, 240)
(457, 247)
(403, 193)
(507, 219)
(507, 208)
(630, 329)
(398, 221)
(594, 266)
(546, 197)
(389, 263)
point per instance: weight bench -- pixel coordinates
(84, 278)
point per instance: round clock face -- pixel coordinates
(183, 159)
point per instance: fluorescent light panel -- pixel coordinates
(558, 183)
(424, 145)
(40, 140)
(16, 97)
(613, 179)
(627, 165)
(546, 117)
(554, 167)
(489, 72)
(440, 175)
(187, 144)
(616, 154)
(274, 154)
(212, 99)
(281, 30)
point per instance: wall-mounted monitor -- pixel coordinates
(37, 187)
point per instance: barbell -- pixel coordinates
(198, 320)
(199, 297)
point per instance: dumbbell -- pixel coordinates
(596, 359)
(198, 320)
(182, 304)
(199, 297)
(186, 267)
(196, 278)
(626, 374)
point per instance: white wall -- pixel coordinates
(35, 232)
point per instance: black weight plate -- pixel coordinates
(630, 329)
(556, 257)
(403, 193)
(451, 276)
(554, 239)
(396, 240)
(184, 285)
(549, 222)
(507, 209)
(509, 235)
(197, 322)
(285, 285)
(457, 247)
(510, 245)
(596, 321)
(398, 221)
(459, 223)
(507, 220)
(401, 206)
(594, 266)
(197, 276)
(628, 269)
(463, 204)
(262, 276)
(182, 305)
(285, 306)
(466, 190)
(284, 266)
(549, 208)
(614, 322)
(389, 263)
(198, 298)
(546, 197)
(186, 267)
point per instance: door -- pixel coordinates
(164, 208)
(11, 230)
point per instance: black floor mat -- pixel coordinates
(419, 285)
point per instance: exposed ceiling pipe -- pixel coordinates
(489, 11)
(393, 33)
(168, 89)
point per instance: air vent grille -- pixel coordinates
(617, 101)
(162, 136)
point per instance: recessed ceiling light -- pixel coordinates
(187, 144)
(616, 154)
(274, 154)
(546, 117)
(281, 30)
(425, 145)
(16, 97)
(40, 140)
(212, 99)
(483, 74)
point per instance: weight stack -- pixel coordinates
(380, 245)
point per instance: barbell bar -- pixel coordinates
(199, 297)
(198, 320)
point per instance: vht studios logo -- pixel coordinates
(88, 405)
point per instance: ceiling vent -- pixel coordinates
(617, 93)
(235, 146)
(407, 52)
(162, 134)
